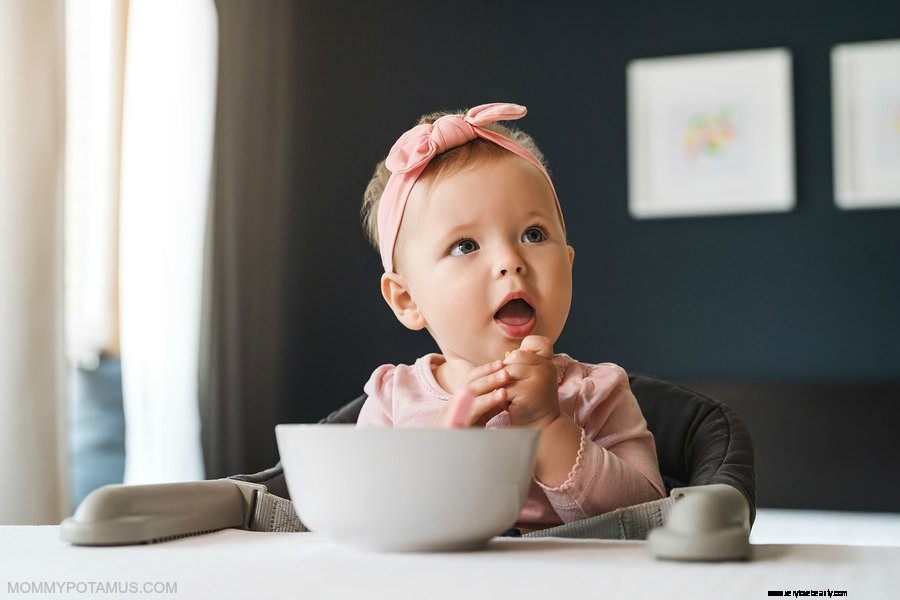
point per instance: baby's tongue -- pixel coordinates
(515, 312)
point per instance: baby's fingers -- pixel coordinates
(465, 408)
(459, 408)
(485, 370)
(538, 344)
(488, 378)
(478, 396)
(487, 406)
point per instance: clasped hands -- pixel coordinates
(524, 384)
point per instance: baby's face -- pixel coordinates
(484, 257)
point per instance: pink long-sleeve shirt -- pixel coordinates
(616, 464)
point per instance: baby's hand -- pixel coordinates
(532, 390)
(486, 384)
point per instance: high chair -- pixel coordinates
(705, 453)
(699, 442)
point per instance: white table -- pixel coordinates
(844, 528)
(238, 564)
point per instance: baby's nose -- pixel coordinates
(510, 262)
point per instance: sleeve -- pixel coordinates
(378, 409)
(616, 464)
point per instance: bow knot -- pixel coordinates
(419, 145)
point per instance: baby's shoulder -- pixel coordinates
(383, 379)
(387, 379)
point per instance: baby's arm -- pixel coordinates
(616, 462)
(597, 455)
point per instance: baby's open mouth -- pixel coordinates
(515, 313)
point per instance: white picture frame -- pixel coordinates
(866, 124)
(711, 134)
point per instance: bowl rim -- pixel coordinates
(438, 430)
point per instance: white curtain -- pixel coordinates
(167, 140)
(95, 65)
(32, 132)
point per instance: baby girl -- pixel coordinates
(474, 249)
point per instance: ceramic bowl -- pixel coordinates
(404, 490)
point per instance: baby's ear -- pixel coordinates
(397, 296)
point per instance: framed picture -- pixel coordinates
(711, 134)
(866, 123)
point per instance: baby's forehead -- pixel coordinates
(504, 191)
(508, 168)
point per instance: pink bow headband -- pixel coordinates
(414, 150)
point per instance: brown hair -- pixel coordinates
(442, 165)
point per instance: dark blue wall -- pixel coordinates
(807, 295)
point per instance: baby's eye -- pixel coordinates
(463, 246)
(534, 235)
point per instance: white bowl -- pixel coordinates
(407, 489)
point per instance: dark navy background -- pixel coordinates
(808, 295)
(805, 297)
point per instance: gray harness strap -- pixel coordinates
(629, 523)
(274, 513)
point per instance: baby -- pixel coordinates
(473, 244)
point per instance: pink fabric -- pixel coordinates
(414, 150)
(616, 464)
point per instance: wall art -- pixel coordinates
(866, 124)
(711, 134)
